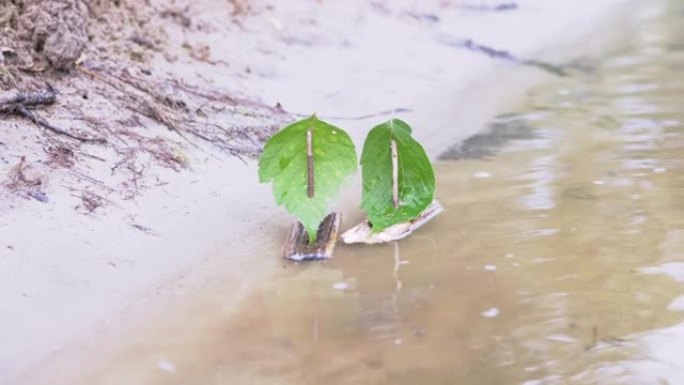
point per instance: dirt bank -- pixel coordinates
(115, 101)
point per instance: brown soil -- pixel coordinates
(118, 116)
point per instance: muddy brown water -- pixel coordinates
(559, 259)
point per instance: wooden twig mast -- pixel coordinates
(395, 174)
(309, 164)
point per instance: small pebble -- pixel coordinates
(39, 196)
(166, 366)
(482, 174)
(490, 267)
(340, 286)
(491, 313)
(659, 170)
(599, 182)
(398, 341)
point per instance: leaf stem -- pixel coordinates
(309, 164)
(395, 174)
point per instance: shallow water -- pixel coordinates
(559, 259)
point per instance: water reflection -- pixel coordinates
(502, 131)
(559, 259)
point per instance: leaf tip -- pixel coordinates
(312, 235)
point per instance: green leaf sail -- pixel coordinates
(416, 178)
(284, 163)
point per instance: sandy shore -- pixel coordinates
(70, 281)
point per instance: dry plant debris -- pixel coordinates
(79, 89)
